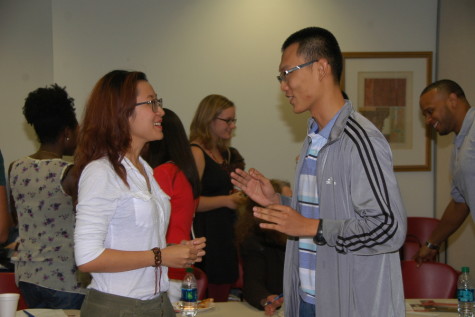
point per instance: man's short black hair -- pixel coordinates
(316, 43)
(446, 85)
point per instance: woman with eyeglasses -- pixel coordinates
(122, 214)
(210, 135)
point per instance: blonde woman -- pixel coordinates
(210, 135)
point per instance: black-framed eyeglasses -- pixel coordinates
(283, 74)
(228, 121)
(156, 104)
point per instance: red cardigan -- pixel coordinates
(175, 184)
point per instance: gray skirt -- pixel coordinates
(99, 304)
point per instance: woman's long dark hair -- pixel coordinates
(105, 128)
(247, 224)
(175, 147)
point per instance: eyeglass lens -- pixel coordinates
(157, 104)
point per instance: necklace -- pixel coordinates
(224, 161)
(213, 157)
(141, 170)
(55, 155)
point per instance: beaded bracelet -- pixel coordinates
(158, 265)
(158, 256)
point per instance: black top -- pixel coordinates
(263, 265)
(220, 262)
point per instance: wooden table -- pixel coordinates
(49, 313)
(228, 309)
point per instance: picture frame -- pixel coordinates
(385, 87)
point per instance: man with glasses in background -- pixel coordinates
(346, 220)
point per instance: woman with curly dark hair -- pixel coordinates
(41, 196)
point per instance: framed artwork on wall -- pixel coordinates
(385, 87)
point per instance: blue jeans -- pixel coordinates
(306, 309)
(42, 297)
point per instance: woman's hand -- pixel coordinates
(199, 244)
(184, 254)
(270, 309)
(236, 199)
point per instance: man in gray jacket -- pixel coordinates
(346, 220)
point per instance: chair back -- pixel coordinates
(430, 280)
(201, 282)
(239, 283)
(419, 230)
(8, 285)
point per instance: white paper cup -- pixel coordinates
(8, 304)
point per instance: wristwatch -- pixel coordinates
(432, 246)
(319, 239)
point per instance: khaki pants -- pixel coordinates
(98, 304)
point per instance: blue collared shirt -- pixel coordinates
(308, 205)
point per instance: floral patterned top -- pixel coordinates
(46, 225)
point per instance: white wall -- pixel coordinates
(26, 63)
(193, 48)
(456, 51)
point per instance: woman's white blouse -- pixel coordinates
(112, 216)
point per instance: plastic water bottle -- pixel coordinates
(465, 294)
(189, 294)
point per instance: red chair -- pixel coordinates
(7, 285)
(240, 280)
(201, 281)
(430, 280)
(239, 284)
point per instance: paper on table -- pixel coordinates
(413, 313)
(436, 305)
(410, 312)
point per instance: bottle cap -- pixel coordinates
(189, 270)
(465, 269)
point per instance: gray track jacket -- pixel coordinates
(358, 272)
